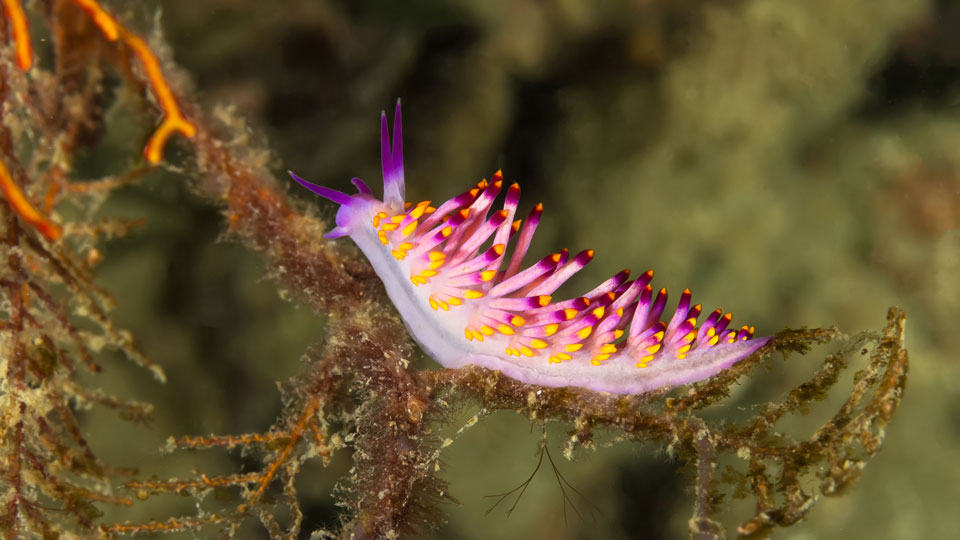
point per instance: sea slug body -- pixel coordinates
(466, 298)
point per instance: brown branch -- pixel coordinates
(204, 482)
(702, 527)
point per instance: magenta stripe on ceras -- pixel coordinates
(521, 303)
(476, 265)
(509, 227)
(530, 288)
(440, 232)
(525, 277)
(461, 201)
(681, 334)
(557, 312)
(645, 346)
(523, 241)
(573, 335)
(510, 207)
(617, 315)
(639, 321)
(582, 325)
(563, 273)
(477, 238)
(477, 215)
(717, 327)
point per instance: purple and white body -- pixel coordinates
(466, 298)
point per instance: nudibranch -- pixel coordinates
(466, 298)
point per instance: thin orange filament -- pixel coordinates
(173, 119)
(22, 206)
(20, 31)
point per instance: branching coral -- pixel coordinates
(358, 392)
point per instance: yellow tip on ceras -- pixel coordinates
(401, 252)
(538, 344)
(472, 334)
(420, 209)
(598, 359)
(408, 230)
(643, 361)
(436, 258)
(606, 351)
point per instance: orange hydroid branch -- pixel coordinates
(173, 118)
(20, 32)
(22, 206)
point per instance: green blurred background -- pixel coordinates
(794, 162)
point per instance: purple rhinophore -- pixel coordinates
(465, 301)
